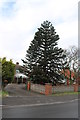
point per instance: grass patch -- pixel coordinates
(66, 93)
(3, 94)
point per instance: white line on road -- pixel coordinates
(1, 106)
(40, 104)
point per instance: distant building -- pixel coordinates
(69, 75)
(19, 77)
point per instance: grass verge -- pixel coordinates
(3, 94)
(65, 93)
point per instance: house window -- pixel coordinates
(17, 71)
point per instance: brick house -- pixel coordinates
(69, 75)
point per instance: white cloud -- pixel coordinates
(17, 31)
(68, 34)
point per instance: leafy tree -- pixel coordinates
(7, 70)
(44, 60)
(72, 60)
(72, 57)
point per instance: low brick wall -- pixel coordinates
(76, 88)
(38, 88)
(57, 89)
(47, 90)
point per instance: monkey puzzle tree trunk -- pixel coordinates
(70, 78)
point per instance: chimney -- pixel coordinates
(17, 63)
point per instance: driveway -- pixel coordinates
(19, 90)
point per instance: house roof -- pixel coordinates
(18, 75)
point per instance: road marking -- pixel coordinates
(40, 104)
(1, 106)
(24, 96)
(31, 105)
(74, 100)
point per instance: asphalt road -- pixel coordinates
(24, 104)
(66, 109)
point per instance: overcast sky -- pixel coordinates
(19, 20)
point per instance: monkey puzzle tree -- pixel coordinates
(44, 60)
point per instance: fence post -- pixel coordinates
(76, 88)
(48, 89)
(67, 81)
(28, 85)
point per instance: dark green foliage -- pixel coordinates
(44, 60)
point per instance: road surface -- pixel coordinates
(27, 104)
(66, 109)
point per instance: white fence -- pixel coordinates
(57, 89)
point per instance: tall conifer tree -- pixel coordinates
(44, 60)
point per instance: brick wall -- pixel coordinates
(43, 89)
